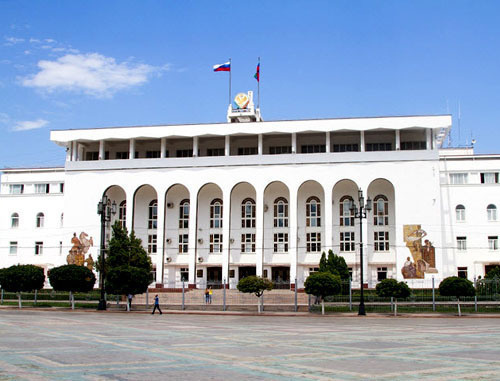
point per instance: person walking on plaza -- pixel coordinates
(210, 292)
(207, 295)
(157, 305)
(129, 297)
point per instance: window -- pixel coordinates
(491, 211)
(248, 213)
(153, 154)
(281, 242)
(215, 152)
(460, 213)
(462, 272)
(493, 242)
(313, 242)
(378, 146)
(184, 272)
(42, 188)
(216, 213)
(350, 272)
(248, 243)
(347, 241)
(346, 216)
(381, 241)
(489, 178)
(381, 273)
(60, 247)
(313, 148)
(380, 211)
(216, 243)
(458, 178)
(313, 212)
(13, 248)
(93, 155)
(152, 244)
(280, 213)
(61, 187)
(38, 248)
(16, 188)
(461, 243)
(40, 220)
(14, 220)
(153, 215)
(278, 150)
(184, 153)
(183, 243)
(413, 145)
(184, 214)
(247, 151)
(345, 148)
(199, 273)
(121, 155)
(122, 213)
(153, 273)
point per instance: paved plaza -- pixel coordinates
(45, 345)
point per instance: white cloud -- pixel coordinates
(13, 40)
(30, 125)
(91, 73)
(4, 118)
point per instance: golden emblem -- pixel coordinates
(241, 100)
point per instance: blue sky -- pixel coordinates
(86, 64)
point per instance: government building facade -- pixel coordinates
(213, 203)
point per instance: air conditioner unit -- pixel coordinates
(200, 259)
(169, 259)
(170, 205)
(169, 241)
(200, 241)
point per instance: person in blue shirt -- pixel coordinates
(157, 305)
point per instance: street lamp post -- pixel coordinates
(361, 213)
(105, 209)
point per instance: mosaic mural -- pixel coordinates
(79, 249)
(423, 256)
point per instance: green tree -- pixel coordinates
(337, 266)
(322, 284)
(255, 285)
(22, 278)
(323, 263)
(455, 286)
(128, 265)
(493, 273)
(72, 278)
(391, 288)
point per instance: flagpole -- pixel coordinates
(258, 88)
(230, 70)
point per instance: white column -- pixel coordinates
(327, 220)
(131, 149)
(398, 140)
(361, 141)
(195, 146)
(69, 150)
(260, 147)
(163, 148)
(101, 150)
(160, 240)
(429, 138)
(74, 150)
(259, 231)
(294, 142)
(367, 247)
(80, 152)
(226, 231)
(193, 228)
(130, 211)
(227, 147)
(292, 250)
(327, 141)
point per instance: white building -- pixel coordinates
(215, 202)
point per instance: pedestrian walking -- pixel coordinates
(157, 305)
(207, 295)
(210, 292)
(129, 298)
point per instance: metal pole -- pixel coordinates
(475, 296)
(433, 296)
(361, 310)
(350, 294)
(36, 295)
(309, 302)
(102, 300)
(262, 303)
(182, 307)
(147, 299)
(295, 309)
(392, 304)
(230, 70)
(224, 295)
(1, 301)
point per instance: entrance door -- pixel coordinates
(281, 277)
(245, 271)
(214, 277)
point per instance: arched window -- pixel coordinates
(346, 215)
(313, 212)
(491, 210)
(40, 220)
(460, 213)
(248, 213)
(380, 211)
(14, 220)
(281, 213)
(153, 215)
(184, 214)
(122, 213)
(216, 213)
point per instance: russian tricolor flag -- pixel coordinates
(223, 67)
